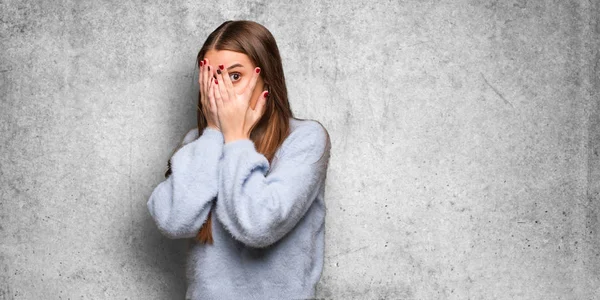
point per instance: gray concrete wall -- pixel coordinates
(465, 142)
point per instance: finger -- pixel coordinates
(206, 74)
(261, 103)
(221, 86)
(250, 87)
(209, 94)
(200, 75)
(202, 82)
(227, 81)
(202, 89)
(254, 114)
(217, 94)
(211, 97)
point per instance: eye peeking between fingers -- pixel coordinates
(234, 77)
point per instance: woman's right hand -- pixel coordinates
(209, 107)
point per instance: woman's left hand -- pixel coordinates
(236, 117)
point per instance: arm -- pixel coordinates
(259, 209)
(180, 204)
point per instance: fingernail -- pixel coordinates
(221, 67)
(218, 71)
(202, 63)
(216, 81)
(204, 60)
(266, 94)
(257, 70)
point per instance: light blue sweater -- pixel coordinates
(269, 223)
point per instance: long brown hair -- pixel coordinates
(272, 128)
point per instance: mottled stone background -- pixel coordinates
(465, 141)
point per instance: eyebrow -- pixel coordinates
(234, 66)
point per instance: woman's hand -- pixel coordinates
(209, 107)
(236, 117)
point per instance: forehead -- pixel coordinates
(225, 57)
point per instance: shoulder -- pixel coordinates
(303, 127)
(191, 135)
(308, 140)
(308, 131)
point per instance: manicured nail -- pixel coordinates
(221, 67)
(266, 94)
(216, 81)
(257, 70)
(218, 71)
(202, 63)
(204, 60)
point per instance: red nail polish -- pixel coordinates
(216, 81)
(257, 70)
(266, 94)
(204, 60)
(201, 63)
(221, 67)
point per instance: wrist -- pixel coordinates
(234, 137)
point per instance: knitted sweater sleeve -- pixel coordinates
(258, 208)
(180, 204)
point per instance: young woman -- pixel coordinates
(246, 187)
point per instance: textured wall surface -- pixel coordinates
(465, 143)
